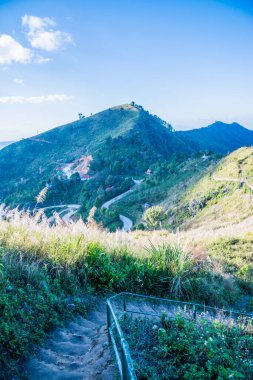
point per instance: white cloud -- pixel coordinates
(42, 34)
(18, 81)
(40, 60)
(34, 99)
(12, 51)
(34, 22)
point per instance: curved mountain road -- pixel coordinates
(127, 223)
(70, 210)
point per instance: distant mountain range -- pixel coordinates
(220, 137)
(94, 159)
(4, 144)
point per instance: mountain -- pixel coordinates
(220, 137)
(92, 160)
(108, 148)
(4, 144)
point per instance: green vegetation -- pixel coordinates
(45, 271)
(154, 216)
(183, 348)
(166, 187)
(236, 258)
(221, 197)
(32, 301)
(123, 142)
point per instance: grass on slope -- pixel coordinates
(165, 186)
(215, 201)
(237, 165)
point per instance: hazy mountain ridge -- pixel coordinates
(220, 137)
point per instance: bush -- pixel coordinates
(183, 348)
(153, 216)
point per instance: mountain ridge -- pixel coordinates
(94, 159)
(220, 137)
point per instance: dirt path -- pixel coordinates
(242, 180)
(77, 351)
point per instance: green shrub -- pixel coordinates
(183, 348)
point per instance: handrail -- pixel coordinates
(202, 306)
(123, 357)
(122, 353)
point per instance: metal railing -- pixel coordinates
(120, 345)
(152, 307)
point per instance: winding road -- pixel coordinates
(127, 223)
(69, 210)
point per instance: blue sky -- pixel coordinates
(189, 61)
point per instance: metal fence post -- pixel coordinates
(123, 362)
(194, 312)
(124, 303)
(108, 323)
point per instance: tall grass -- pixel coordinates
(84, 255)
(178, 266)
(43, 267)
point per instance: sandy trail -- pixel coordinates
(77, 351)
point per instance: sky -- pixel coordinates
(188, 61)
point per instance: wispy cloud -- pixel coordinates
(12, 51)
(42, 33)
(18, 81)
(40, 60)
(34, 99)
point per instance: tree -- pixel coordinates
(153, 216)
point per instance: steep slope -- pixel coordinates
(220, 137)
(221, 198)
(166, 185)
(120, 142)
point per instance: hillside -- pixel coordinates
(165, 186)
(202, 193)
(220, 137)
(3, 144)
(115, 145)
(221, 198)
